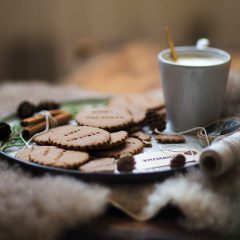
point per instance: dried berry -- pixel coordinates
(5, 131)
(178, 161)
(126, 163)
(47, 105)
(26, 109)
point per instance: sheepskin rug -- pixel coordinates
(42, 207)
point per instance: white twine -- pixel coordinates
(186, 131)
(221, 156)
(49, 119)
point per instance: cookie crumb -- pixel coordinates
(178, 161)
(126, 163)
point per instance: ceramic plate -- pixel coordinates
(150, 165)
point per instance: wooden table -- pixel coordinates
(114, 224)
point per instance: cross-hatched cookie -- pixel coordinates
(132, 146)
(99, 165)
(105, 118)
(57, 157)
(80, 138)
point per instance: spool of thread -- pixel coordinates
(222, 156)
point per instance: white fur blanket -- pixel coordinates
(41, 207)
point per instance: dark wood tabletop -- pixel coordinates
(116, 225)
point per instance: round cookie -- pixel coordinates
(132, 146)
(57, 157)
(79, 138)
(117, 138)
(105, 118)
(43, 139)
(126, 103)
(99, 165)
(24, 154)
(141, 136)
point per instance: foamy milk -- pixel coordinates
(197, 61)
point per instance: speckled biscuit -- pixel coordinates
(165, 138)
(117, 139)
(105, 118)
(79, 138)
(99, 165)
(132, 146)
(57, 157)
(24, 154)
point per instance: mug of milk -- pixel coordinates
(194, 85)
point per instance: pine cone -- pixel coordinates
(5, 131)
(47, 105)
(26, 109)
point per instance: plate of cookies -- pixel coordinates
(115, 140)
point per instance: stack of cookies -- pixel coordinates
(145, 109)
(101, 138)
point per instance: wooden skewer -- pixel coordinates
(171, 45)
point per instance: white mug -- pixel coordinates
(194, 94)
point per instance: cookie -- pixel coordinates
(117, 138)
(57, 157)
(42, 139)
(24, 154)
(141, 136)
(132, 146)
(145, 101)
(133, 129)
(105, 118)
(79, 138)
(138, 114)
(167, 138)
(99, 165)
